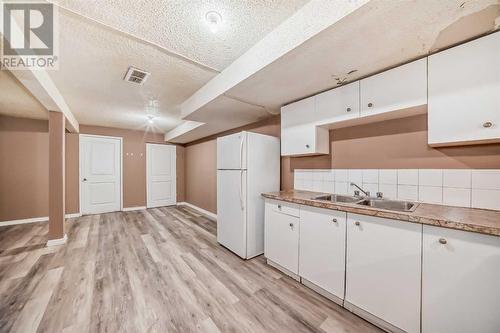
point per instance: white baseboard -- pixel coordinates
(23, 221)
(59, 241)
(208, 214)
(35, 220)
(129, 209)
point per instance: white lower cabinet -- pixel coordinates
(460, 281)
(383, 271)
(322, 249)
(281, 244)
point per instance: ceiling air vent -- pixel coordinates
(136, 75)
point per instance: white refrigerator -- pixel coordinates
(248, 164)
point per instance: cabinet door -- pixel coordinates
(338, 104)
(396, 89)
(298, 113)
(460, 281)
(464, 93)
(383, 271)
(322, 249)
(298, 140)
(282, 237)
(304, 140)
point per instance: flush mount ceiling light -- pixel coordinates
(151, 119)
(214, 20)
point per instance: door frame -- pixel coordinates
(147, 172)
(119, 138)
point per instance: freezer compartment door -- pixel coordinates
(232, 151)
(232, 210)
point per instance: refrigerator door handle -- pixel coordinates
(241, 152)
(241, 189)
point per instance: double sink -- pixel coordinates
(394, 205)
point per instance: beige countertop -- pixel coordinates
(467, 219)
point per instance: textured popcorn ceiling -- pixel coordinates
(17, 101)
(179, 25)
(93, 62)
(377, 36)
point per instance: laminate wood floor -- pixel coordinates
(155, 270)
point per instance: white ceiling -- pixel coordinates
(100, 39)
(93, 62)
(15, 100)
(378, 35)
(179, 25)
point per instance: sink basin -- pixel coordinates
(400, 206)
(337, 198)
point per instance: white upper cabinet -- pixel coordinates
(460, 281)
(383, 269)
(299, 113)
(464, 93)
(338, 104)
(299, 134)
(322, 249)
(399, 88)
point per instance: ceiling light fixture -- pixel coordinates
(151, 119)
(214, 20)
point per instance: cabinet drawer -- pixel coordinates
(284, 208)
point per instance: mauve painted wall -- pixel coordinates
(400, 143)
(24, 167)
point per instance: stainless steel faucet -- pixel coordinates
(356, 193)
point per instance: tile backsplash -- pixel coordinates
(453, 187)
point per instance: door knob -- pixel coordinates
(487, 124)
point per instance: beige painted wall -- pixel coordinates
(201, 164)
(134, 162)
(400, 143)
(24, 167)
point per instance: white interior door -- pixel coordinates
(101, 174)
(161, 175)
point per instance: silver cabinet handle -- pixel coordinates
(348, 109)
(357, 223)
(84, 179)
(279, 206)
(291, 225)
(487, 124)
(370, 105)
(443, 241)
(334, 220)
(307, 146)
